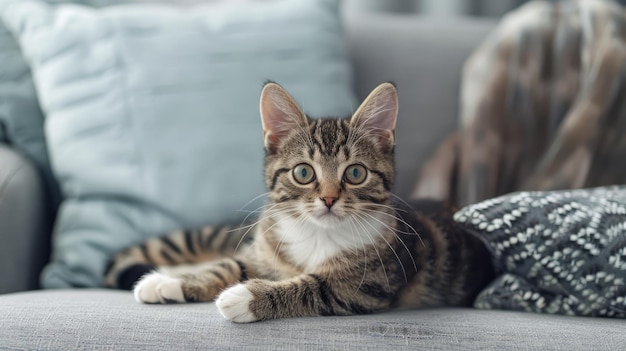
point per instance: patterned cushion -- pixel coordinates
(561, 252)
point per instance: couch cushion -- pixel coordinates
(101, 319)
(152, 111)
(561, 251)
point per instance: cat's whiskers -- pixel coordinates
(251, 212)
(390, 247)
(351, 222)
(401, 200)
(261, 209)
(414, 231)
(255, 198)
(279, 213)
(393, 208)
(264, 207)
(395, 233)
(395, 218)
(359, 220)
(268, 214)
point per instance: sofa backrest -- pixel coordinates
(424, 57)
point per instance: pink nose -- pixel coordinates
(329, 201)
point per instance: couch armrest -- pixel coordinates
(24, 223)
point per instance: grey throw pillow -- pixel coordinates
(560, 252)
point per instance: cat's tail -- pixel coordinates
(177, 248)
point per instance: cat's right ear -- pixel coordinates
(280, 115)
(377, 115)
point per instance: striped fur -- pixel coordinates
(337, 242)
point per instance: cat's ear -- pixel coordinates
(378, 113)
(280, 115)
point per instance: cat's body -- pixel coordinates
(331, 241)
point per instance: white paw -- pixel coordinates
(234, 304)
(158, 288)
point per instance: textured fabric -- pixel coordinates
(99, 319)
(23, 217)
(562, 252)
(423, 57)
(152, 111)
(542, 106)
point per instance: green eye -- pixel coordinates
(303, 173)
(355, 174)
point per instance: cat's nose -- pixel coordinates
(329, 201)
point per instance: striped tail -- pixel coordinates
(177, 248)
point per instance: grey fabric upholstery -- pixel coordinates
(23, 223)
(112, 320)
(424, 57)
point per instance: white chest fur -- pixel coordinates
(309, 245)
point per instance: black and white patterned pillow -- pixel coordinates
(561, 252)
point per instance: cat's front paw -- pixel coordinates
(158, 288)
(234, 304)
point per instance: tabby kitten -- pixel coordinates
(331, 241)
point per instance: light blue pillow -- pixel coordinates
(21, 120)
(152, 111)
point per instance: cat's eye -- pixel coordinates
(355, 174)
(303, 173)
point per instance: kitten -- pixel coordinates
(333, 239)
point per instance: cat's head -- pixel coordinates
(331, 169)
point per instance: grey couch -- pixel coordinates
(424, 57)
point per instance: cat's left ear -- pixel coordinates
(377, 115)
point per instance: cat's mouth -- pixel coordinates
(327, 216)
